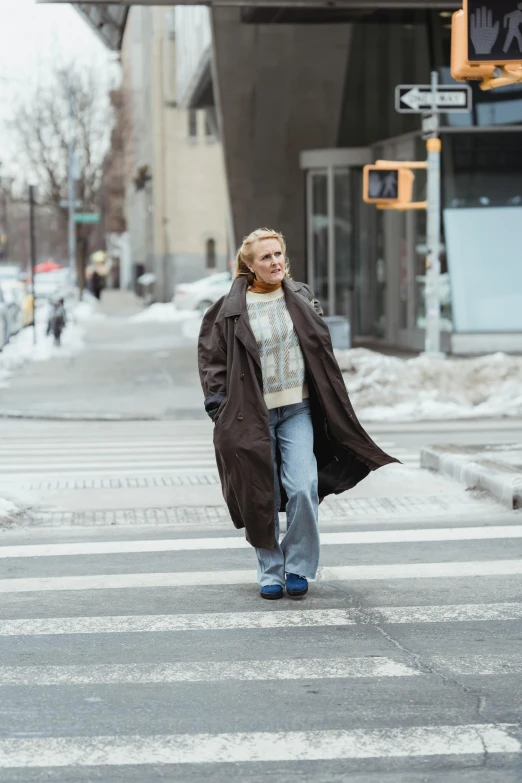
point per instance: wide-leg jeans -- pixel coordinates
(298, 552)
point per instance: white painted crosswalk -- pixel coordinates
(417, 535)
(251, 747)
(83, 454)
(186, 579)
(237, 621)
(132, 651)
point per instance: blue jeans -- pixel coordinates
(298, 552)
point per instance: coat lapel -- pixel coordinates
(236, 309)
(308, 325)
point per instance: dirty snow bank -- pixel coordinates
(163, 313)
(6, 508)
(22, 349)
(384, 388)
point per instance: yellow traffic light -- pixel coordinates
(388, 185)
(486, 43)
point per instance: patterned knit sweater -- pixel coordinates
(282, 361)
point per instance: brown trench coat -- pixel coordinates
(230, 373)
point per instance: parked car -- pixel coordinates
(201, 294)
(4, 322)
(16, 295)
(14, 299)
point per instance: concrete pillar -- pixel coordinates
(279, 91)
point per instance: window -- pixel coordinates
(193, 124)
(211, 253)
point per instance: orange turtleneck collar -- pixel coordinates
(258, 287)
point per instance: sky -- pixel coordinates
(34, 36)
(32, 33)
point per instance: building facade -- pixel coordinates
(175, 200)
(176, 203)
(303, 95)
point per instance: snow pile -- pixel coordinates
(22, 349)
(164, 313)
(87, 310)
(385, 388)
(6, 508)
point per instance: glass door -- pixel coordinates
(330, 238)
(337, 229)
(318, 235)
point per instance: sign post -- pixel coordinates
(432, 291)
(430, 100)
(32, 201)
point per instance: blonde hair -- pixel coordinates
(245, 254)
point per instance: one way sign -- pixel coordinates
(418, 98)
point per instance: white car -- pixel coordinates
(5, 328)
(202, 294)
(14, 299)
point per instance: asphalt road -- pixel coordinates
(134, 645)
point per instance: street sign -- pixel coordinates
(494, 31)
(87, 217)
(64, 204)
(418, 98)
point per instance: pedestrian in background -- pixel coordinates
(285, 433)
(96, 284)
(57, 320)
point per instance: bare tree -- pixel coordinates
(75, 102)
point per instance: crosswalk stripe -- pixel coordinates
(480, 664)
(103, 471)
(248, 671)
(245, 747)
(240, 577)
(16, 467)
(411, 535)
(101, 444)
(81, 452)
(235, 621)
(205, 671)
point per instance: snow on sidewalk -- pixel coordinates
(386, 388)
(6, 508)
(164, 313)
(22, 349)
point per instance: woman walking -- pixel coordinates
(285, 432)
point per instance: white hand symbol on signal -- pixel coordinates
(483, 32)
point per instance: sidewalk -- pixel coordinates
(123, 369)
(497, 469)
(124, 304)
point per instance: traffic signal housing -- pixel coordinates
(388, 185)
(486, 43)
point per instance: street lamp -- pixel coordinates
(32, 234)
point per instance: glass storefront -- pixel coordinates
(318, 223)
(481, 173)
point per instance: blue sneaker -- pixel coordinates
(296, 585)
(272, 592)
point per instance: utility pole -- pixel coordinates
(33, 252)
(433, 146)
(71, 195)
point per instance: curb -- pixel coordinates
(75, 416)
(501, 481)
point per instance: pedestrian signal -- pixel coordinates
(486, 42)
(387, 186)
